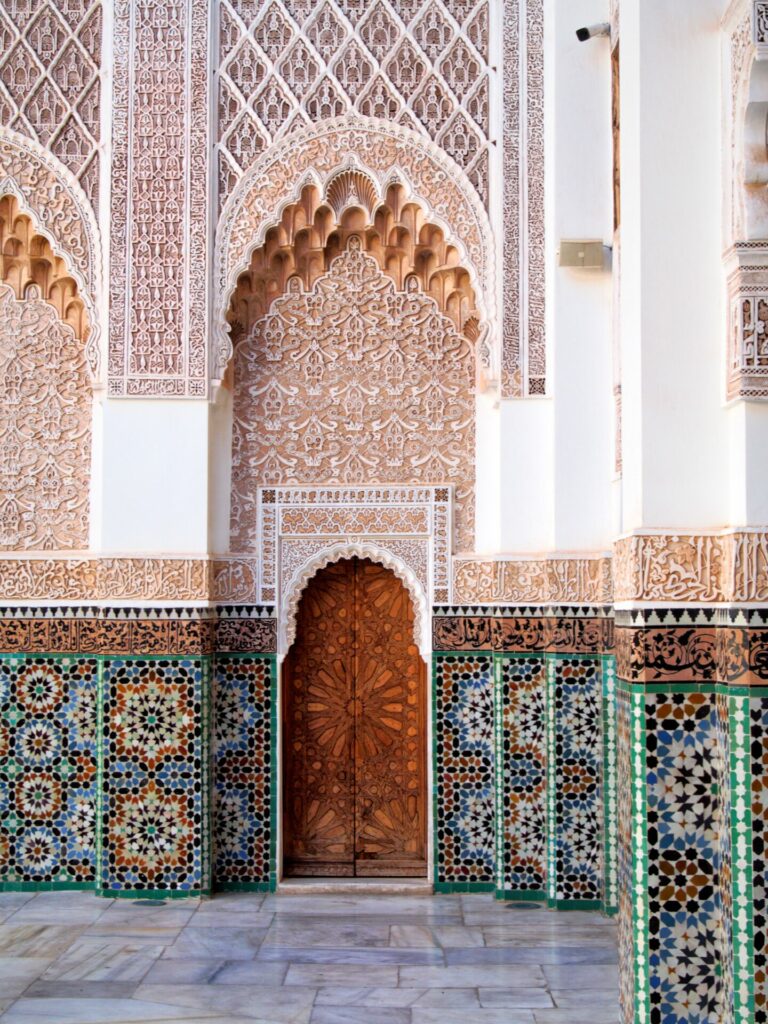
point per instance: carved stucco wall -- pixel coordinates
(421, 64)
(159, 202)
(45, 427)
(50, 57)
(354, 383)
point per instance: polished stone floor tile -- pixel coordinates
(326, 931)
(183, 972)
(575, 976)
(36, 940)
(421, 1015)
(250, 972)
(302, 959)
(274, 1003)
(317, 975)
(493, 976)
(104, 959)
(397, 997)
(351, 1015)
(227, 943)
(350, 955)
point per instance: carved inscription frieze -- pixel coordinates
(556, 580)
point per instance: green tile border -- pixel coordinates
(10, 886)
(610, 787)
(639, 856)
(740, 777)
(551, 762)
(522, 895)
(465, 887)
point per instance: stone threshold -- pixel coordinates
(355, 886)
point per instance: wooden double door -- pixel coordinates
(354, 733)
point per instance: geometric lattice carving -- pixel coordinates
(28, 264)
(49, 80)
(312, 232)
(352, 382)
(418, 63)
(159, 229)
(45, 427)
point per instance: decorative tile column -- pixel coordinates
(670, 825)
(245, 746)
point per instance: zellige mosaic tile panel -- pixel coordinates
(684, 827)
(463, 742)
(575, 784)
(48, 770)
(245, 749)
(521, 774)
(155, 827)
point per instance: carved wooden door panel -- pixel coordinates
(354, 732)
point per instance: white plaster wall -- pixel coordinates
(672, 288)
(220, 470)
(487, 483)
(527, 481)
(155, 477)
(557, 453)
(581, 301)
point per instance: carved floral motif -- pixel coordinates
(159, 228)
(59, 211)
(352, 383)
(45, 428)
(523, 363)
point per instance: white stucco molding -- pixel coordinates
(363, 549)
(383, 151)
(53, 199)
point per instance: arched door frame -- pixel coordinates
(289, 606)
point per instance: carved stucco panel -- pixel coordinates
(352, 383)
(159, 205)
(45, 428)
(52, 197)
(423, 65)
(558, 580)
(383, 151)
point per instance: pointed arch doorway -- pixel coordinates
(355, 729)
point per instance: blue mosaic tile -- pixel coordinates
(244, 747)
(464, 810)
(155, 828)
(48, 769)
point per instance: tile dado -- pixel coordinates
(531, 812)
(693, 794)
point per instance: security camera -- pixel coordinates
(593, 31)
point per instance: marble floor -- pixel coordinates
(75, 958)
